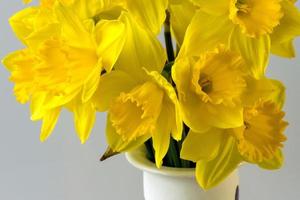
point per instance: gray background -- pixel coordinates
(62, 169)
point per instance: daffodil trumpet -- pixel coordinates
(207, 105)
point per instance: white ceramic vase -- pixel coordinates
(179, 184)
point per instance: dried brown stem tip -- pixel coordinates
(108, 153)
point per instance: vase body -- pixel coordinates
(179, 184)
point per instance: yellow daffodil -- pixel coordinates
(139, 109)
(251, 27)
(262, 134)
(68, 46)
(210, 89)
(218, 152)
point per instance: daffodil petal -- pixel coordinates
(22, 22)
(181, 14)
(110, 35)
(49, 122)
(141, 49)
(21, 64)
(205, 32)
(202, 146)
(84, 118)
(174, 111)
(284, 49)
(73, 29)
(116, 142)
(91, 84)
(284, 34)
(36, 38)
(274, 163)
(255, 51)
(214, 7)
(162, 134)
(181, 76)
(37, 105)
(110, 86)
(151, 14)
(211, 173)
(266, 89)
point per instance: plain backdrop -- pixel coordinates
(63, 169)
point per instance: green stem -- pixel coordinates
(150, 151)
(173, 153)
(168, 39)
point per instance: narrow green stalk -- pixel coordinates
(173, 154)
(184, 163)
(168, 39)
(149, 150)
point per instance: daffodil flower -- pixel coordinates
(218, 152)
(210, 89)
(139, 109)
(68, 45)
(252, 27)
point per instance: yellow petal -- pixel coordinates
(73, 30)
(274, 163)
(205, 32)
(21, 65)
(84, 118)
(110, 37)
(202, 146)
(181, 14)
(49, 122)
(91, 84)
(284, 49)
(284, 34)
(110, 87)
(116, 142)
(26, 1)
(22, 22)
(151, 14)
(213, 172)
(161, 134)
(170, 98)
(264, 88)
(37, 105)
(214, 7)
(255, 51)
(141, 49)
(35, 39)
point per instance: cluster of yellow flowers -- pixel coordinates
(104, 55)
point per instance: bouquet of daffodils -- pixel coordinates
(206, 103)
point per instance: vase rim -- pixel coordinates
(138, 159)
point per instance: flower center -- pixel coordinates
(135, 113)
(243, 7)
(256, 17)
(218, 77)
(262, 134)
(205, 83)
